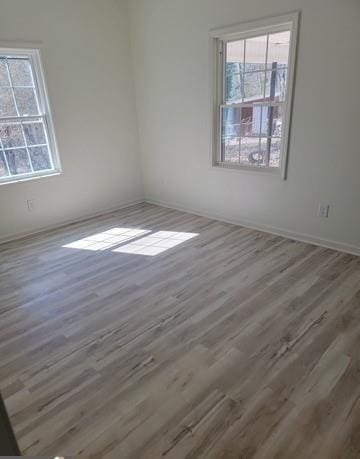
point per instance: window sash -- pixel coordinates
(18, 119)
(26, 146)
(219, 39)
(263, 103)
(33, 57)
(261, 136)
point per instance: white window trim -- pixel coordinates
(217, 56)
(34, 55)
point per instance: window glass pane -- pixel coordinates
(249, 152)
(233, 68)
(279, 46)
(40, 158)
(235, 52)
(35, 133)
(272, 121)
(234, 87)
(26, 101)
(275, 153)
(11, 135)
(263, 157)
(251, 118)
(254, 87)
(265, 113)
(230, 149)
(3, 168)
(7, 106)
(247, 118)
(276, 85)
(18, 161)
(231, 121)
(277, 121)
(20, 72)
(255, 53)
(4, 79)
(234, 71)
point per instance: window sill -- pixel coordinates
(271, 171)
(32, 177)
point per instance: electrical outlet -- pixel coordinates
(30, 205)
(323, 210)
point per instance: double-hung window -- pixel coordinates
(27, 141)
(252, 93)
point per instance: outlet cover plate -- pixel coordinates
(323, 210)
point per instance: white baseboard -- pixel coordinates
(124, 205)
(308, 238)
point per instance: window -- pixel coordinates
(254, 71)
(27, 142)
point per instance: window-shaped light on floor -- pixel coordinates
(155, 243)
(107, 239)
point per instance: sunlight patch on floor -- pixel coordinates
(107, 239)
(155, 243)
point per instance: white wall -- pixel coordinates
(85, 49)
(170, 40)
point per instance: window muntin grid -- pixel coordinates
(268, 76)
(27, 146)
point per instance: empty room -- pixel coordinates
(180, 229)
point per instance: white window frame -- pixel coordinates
(34, 56)
(218, 40)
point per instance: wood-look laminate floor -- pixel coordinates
(223, 343)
